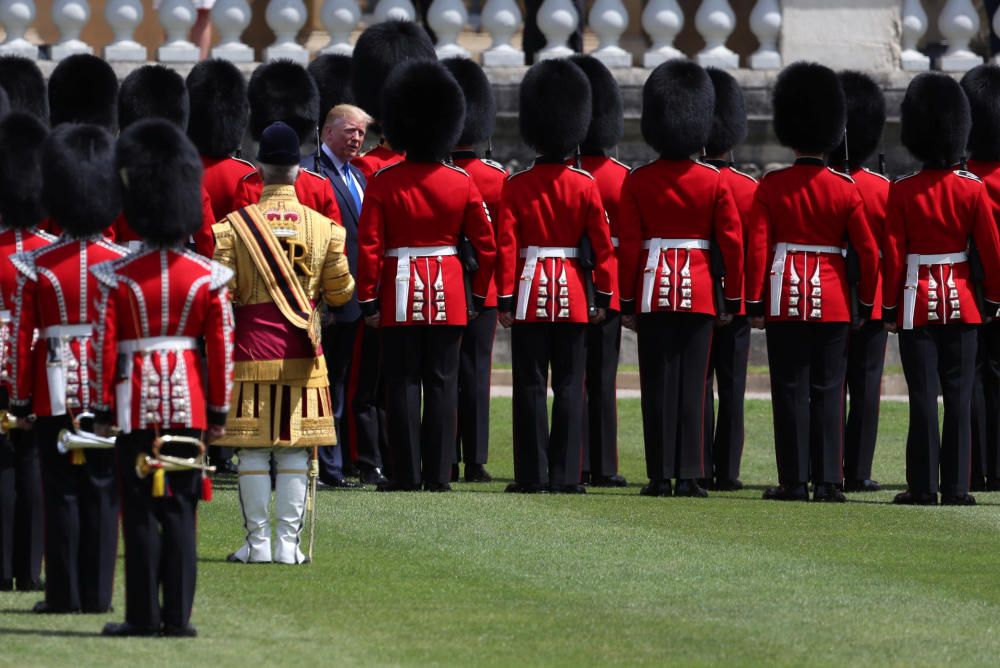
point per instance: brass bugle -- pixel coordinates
(82, 440)
(7, 422)
(146, 464)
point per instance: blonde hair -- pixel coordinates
(347, 112)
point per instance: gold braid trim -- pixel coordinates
(305, 372)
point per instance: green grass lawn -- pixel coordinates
(478, 577)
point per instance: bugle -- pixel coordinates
(70, 440)
(148, 464)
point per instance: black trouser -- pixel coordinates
(541, 456)
(421, 362)
(368, 437)
(939, 357)
(865, 362)
(808, 364)
(338, 349)
(160, 540)
(600, 429)
(81, 522)
(474, 367)
(986, 405)
(20, 508)
(728, 369)
(534, 40)
(673, 363)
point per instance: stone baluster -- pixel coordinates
(286, 18)
(231, 18)
(16, 16)
(340, 18)
(557, 20)
(502, 19)
(662, 20)
(447, 18)
(177, 17)
(765, 23)
(124, 16)
(609, 20)
(959, 23)
(396, 10)
(715, 22)
(70, 16)
(914, 25)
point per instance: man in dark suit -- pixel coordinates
(342, 136)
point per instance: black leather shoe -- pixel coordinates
(30, 585)
(958, 500)
(909, 498)
(608, 481)
(657, 488)
(188, 631)
(371, 476)
(525, 488)
(43, 608)
(341, 483)
(782, 493)
(689, 488)
(585, 478)
(477, 473)
(7, 585)
(992, 485)
(862, 486)
(728, 485)
(126, 630)
(437, 487)
(569, 489)
(705, 483)
(828, 493)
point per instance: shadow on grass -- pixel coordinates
(49, 633)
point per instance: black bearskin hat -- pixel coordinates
(25, 86)
(161, 181)
(607, 119)
(4, 103)
(865, 119)
(379, 49)
(81, 190)
(282, 90)
(480, 105)
(677, 104)
(332, 74)
(22, 136)
(219, 107)
(982, 87)
(153, 91)
(424, 110)
(729, 123)
(809, 108)
(935, 119)
(555, 107)
(83, 89)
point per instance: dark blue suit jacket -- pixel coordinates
(350, 311)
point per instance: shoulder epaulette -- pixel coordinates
(45, 235)
(705, 164)
(310, 172)
(638, 167)
(25, 264)
(221, 275)
(842, 175)
(906, 176)
(248, 175)
(775, 170)
(743, 174)
(968, 175)
(581, 171)
(881, 176)
(113, 247)
(494, 164)
(523, 171)
(621, 164)
(455, 167)
(105, 273)
(388, 167)
(245, 162)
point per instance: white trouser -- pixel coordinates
(289, 503)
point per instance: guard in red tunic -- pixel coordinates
(477, 341)
(982, 87)
(59, 300)
(929, 287)
(545, 213)
(867, 341)
(410, 279)
(724, 434)
(21, 139)
(159, 305)
(803, 218)
(284, 91)
(672, 211)
(378, 50)
(600, 427)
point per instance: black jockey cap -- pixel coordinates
(279, 145)
(153, 91)
(678, 101)
(83, 89)
(282, 90)
(81, 190)
(480, 104)
(219, 107)
(22, 136)
(935, 119)
(555, 107)
(810, 113)
(729, 121)
(380, 48)
(25, 86)
(865, 119)
(982, 87)
(607, 117)
(424, 110)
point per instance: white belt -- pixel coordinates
(66, 331)
(405, 254)
(913, 263)
(5, 316)
(158, 344)
(781, 251)
(656, 247)
(531, 255)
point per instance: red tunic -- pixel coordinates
(164, 293)
(874, 189)
(808, 204)
(421, 205)
(12, 241)
(204, 242)
(931, 212)
(53, 295)
(489, 177)
(610, 176)
(744, 188)
(314, 191)
(678, 199)
(376, 159)
(221, 181)
(551, 205)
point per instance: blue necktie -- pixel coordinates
(353, 189)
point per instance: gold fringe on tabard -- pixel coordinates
(258, 423)
(305, 372)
